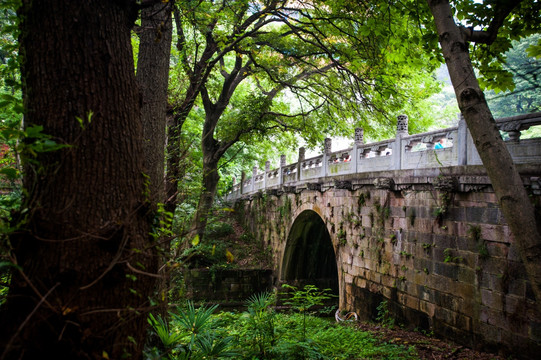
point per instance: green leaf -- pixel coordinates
(10, 172)
(534, 50)
(6, 264)
(195, 240)
(34, 131)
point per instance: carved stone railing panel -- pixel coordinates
(526, 151)
(273, 173)
(515, 124)
(427, 141)
(289, 173)
(274, 181)
(380, 148)
(312, 168)
(416, 151)
(380, 162)
(340, 162)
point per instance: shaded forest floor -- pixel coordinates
(428, 347)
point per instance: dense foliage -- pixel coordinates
(524, 96)
(262, 333)
(10, 135)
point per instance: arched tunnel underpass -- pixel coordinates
(309, 256)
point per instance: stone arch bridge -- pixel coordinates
(402, 222)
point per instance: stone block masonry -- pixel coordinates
(442, 258)
(226, 285)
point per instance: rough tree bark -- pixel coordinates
(84, 255)
(153, 78)
(504, 176)
(212, 149)
(179, 112)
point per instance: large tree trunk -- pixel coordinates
(506, 181)
(83, 256)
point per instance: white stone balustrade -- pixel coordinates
(418, 151)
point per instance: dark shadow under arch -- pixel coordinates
(309, 256)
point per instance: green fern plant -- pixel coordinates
(194, 321)
(261, 322)
(160, 326)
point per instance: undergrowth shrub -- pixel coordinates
(218, 230)
(262, 333)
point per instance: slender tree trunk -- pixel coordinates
(208, 192)
(212, 152)
(174, 169)
(175, 154)
(506, 181)
(197, 77)
(84, 255)
(153, 77)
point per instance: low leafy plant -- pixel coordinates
(231, 335)
(161, 328)
(190, 335)
(342, 237)
(327, 340)
(261, 322)
(406, 254)
(449, 258)
(384, 315)
(303, 300)
(218, 230)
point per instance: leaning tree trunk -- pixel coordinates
(506, 181)
(83, 256)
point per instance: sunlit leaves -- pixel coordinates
(489, 59)
(535, 50)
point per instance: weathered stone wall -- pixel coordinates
(225, 285)
(432, 243)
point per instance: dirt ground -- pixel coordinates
(428, 347)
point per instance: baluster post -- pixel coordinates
(254, 174)
(242, 180)
(302, 154)
(267, 169)
(398, 149)
(359, 140)
(326, 155)
(462, 141)
(282, 165)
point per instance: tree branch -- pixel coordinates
(502, 9)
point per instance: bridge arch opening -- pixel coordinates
(309, 256)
